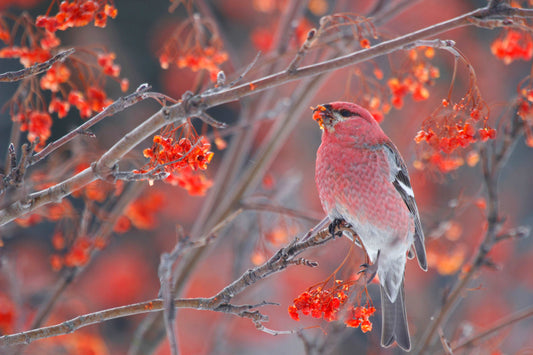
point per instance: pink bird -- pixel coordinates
(362, 180)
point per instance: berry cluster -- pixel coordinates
(181, 157)
(26, 55)
(194, 45)
(513, 45)
(451, 132)
(525, 108)
(78, 254)
(178, 154)
(319, 302)
(415, 80)
(38, 124)
(360, 317)
(76, 82)
(326, 303)
(412, 78)
(78, 13)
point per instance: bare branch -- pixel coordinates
(194, 105)
(246, 70)
(119, 105)
(492, 163)
(313, 217)
(218, 303)
(36, 68)
(506, 322)
(169, 312)
(79, 322)
(302, 51)
(15, 177)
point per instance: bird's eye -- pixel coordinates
(345, 113)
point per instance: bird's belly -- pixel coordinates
(363, 196)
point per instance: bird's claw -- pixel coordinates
(334, 226)
(369, 270)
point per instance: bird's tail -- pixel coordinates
(394, 320)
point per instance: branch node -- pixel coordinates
(303, 261)
(221, 78)
(104, 173)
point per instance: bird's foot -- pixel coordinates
(335, 226)
(369, 270)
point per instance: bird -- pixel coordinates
(363, 181)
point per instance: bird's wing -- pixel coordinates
(400, 180)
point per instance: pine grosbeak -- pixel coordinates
(362, 179)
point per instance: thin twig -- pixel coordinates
(492, 164)
(119, 105)
(36, 68)
(505, 322)
(218, 303)
(246, 70)
(104, 231)
(15, 177)
(445, 344)
(169, 312)
(302, 51)
(197, 104)
(154, 305)
(312, 217)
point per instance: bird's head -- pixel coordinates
(328, 115)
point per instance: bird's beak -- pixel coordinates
(323, 115)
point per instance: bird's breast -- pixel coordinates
(353, 183)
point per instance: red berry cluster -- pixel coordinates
(181, 158)
(195, 184)
(179, 153)
(94, 100)
(63, 79)
(78, 13)
(525, 108)
(196, 59)
(106, 61)
(36, 123)
(512, 45)
(413, 78)
(142, 213)
(27, 56)
(78, 254)
(451, 131)
(419, 74)
(360, 316)
(325, 303)
(318, 303)
(191, 47)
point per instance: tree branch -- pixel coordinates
(492, 166)
(36, 68)
(195, 105)
(218, 303)
(506, 322)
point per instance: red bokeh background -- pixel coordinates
(125, 271)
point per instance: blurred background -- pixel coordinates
(125, 271)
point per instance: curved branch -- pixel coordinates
(506, 322)
(36, 68)
(218, 303)
(492, 164)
